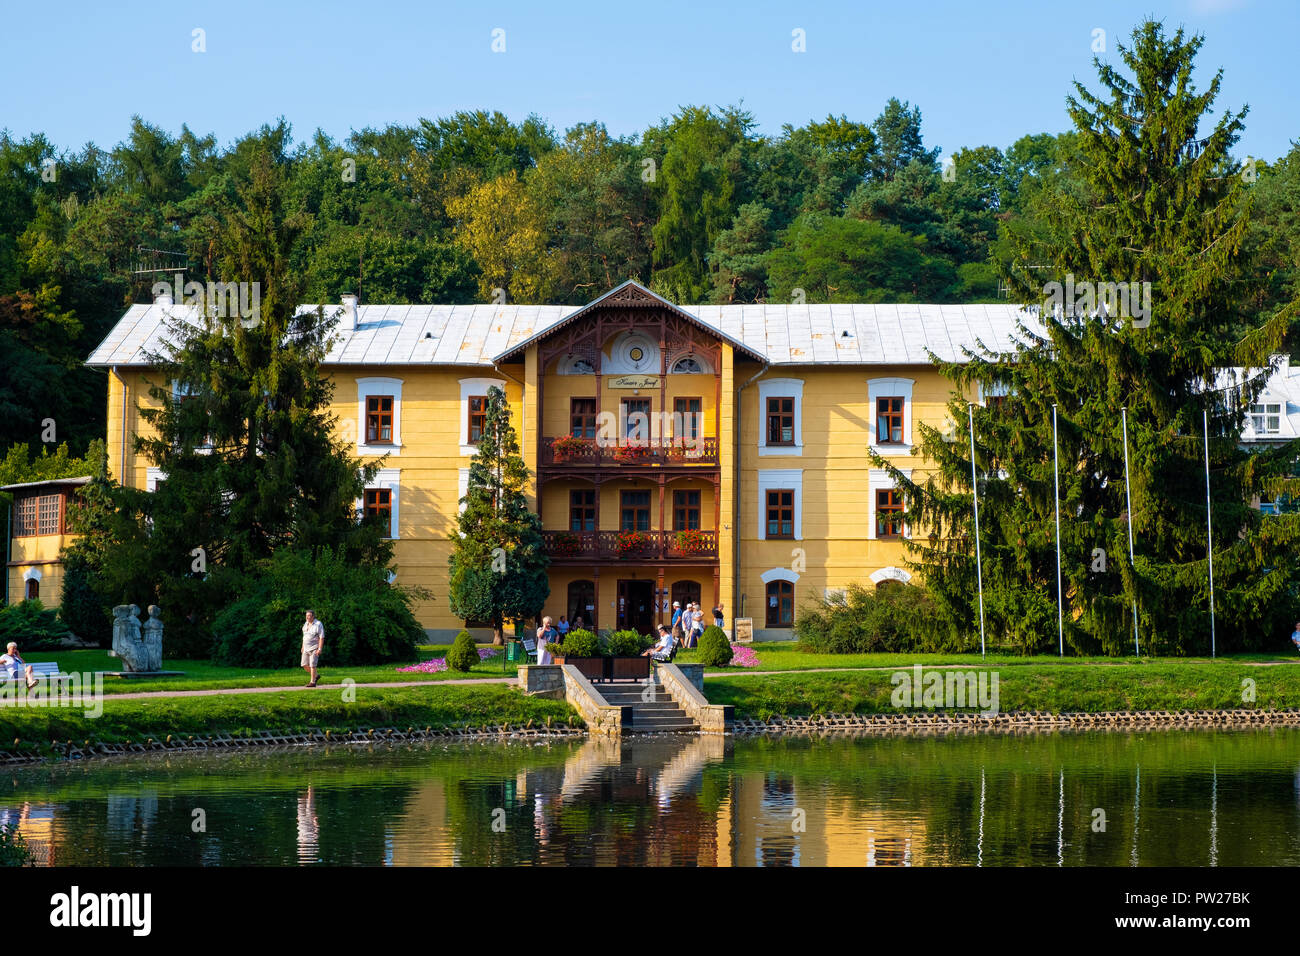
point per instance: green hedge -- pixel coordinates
(896, 618)
(367, 620)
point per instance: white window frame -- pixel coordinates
(878, 388)
(379, 387)
(1265, 404)
(468, 387)
(390, 479)
(775, 479)
(462, 489)
(152, 476)
(890, 573)
(881, 480)
(780, 388)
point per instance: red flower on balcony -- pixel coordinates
(567, 447)
(563, 544)
(632, 452)
(629, 542)
(690, 541)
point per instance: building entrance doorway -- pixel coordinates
(636, 605)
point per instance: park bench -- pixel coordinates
(530, 649)
(45, 670)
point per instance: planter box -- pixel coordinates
(592, 668)
(609, 668)
(629, 668)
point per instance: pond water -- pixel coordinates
(1096, 799)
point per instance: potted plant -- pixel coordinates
(567, 447)
(630, 542)
(566, 543)
(690, 540)
(581, 648)
(632, 452)
(623, 655)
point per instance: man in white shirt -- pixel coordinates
(313, 641)
(663, 649)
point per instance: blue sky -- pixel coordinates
(982, 72)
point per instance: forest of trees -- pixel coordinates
(701, 207)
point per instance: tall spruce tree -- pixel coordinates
(1156, 201)
(242, 428)
(498, 562)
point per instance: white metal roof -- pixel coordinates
(477, 334)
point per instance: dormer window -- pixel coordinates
(1266, 418)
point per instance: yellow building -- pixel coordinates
(708, 453)
(37, 537)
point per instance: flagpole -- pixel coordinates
(1128, 497)
(1209, 529)
(975, 497)
(1060, 596)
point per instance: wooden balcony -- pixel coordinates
(579, 454)
(583, 547)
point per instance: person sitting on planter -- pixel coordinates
(663, 650)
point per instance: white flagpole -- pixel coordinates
(1209, 529)
(979, 572)
(1128, 496)
(1060, 596)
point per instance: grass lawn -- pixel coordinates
(1150, 685)
(135, 720)
(785, 656)
(205, 675)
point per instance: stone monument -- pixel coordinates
(138, 646)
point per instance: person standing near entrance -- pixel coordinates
(563, 628)
(677, 614)
(546, 634)
(313, 641)
(719, 619)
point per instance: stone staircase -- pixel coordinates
(652, 713)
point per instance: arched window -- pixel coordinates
(780, 604)
(582, 603)
(685, 592)
(33, 589)
(687, 366)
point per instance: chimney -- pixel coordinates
(348, 320)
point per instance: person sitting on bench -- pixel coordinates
(15, 666)
(664, 649)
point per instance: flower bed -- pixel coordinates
(435, 665)
(743, 656)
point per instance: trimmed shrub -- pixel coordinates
(463, 654)
(579, 643)
(715, 649)
(29, 625)
(626, 643)
(367, 620)
(897, 618)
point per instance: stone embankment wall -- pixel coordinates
(1019, 721)
(684, 683)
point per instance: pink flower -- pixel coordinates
(435, 665)
(743, 656)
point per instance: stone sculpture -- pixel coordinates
(138, 647)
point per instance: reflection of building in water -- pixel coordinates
(756, 826)
(420, 834)
(308, 827)
(36, 824)
(127, 814)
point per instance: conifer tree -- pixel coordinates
(499, 562)
(1157, 199)
(242, 428)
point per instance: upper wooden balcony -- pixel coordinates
(581, 547)
(585, 454)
